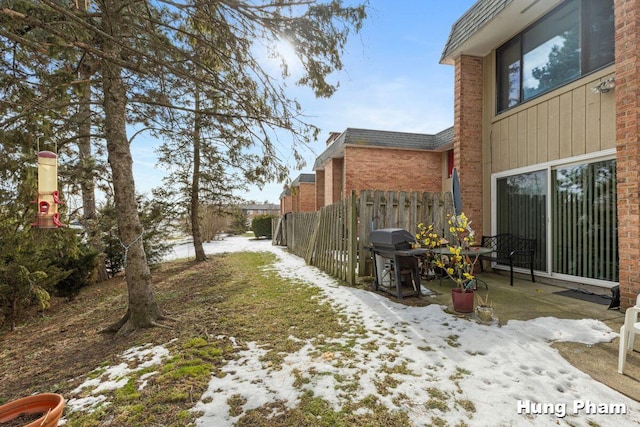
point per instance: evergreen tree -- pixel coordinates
(140, 54)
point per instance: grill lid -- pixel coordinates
(392, 238)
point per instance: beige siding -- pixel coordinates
(592, 117)
(553, 137)
(578, 122)
(568, 122)
(532, 135)
(608, 121)
(542, 131)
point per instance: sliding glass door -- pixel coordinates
(585, 236)
(580, 202)
(522, 210)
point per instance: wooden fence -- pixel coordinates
(335, 239)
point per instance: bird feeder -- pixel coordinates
(48, 196)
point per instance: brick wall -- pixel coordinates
(467, 135)
(286, 204)
(294, 200)
(374, 168)
(306, 195)
(319, 189)
(627, 56)
(333, 181)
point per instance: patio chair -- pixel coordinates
(628, 331)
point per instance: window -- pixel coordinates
(573, 40)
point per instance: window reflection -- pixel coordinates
(572, 40)
(551, 53)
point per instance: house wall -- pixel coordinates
(567, 122)
(286, 204)
(319, 189)
(333, 179)
(306, 197)
(572, 121)
(627, 56)
(295, 199)
(467, 137)
(376, 168)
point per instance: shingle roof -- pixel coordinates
(261, 207)
(474, 19)
(489, 23)
(380, 138)
(304, 177)
(286, 192)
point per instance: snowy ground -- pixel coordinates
(511, 374)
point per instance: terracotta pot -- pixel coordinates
(50, 405)
(462, 300)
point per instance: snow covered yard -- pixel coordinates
(436, 368)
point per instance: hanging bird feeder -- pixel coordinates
(48, 196)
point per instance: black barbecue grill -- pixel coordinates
(395, 262)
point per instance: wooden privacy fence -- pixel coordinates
(335, 239)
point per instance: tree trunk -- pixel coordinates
(87, 173)
(143, 310)
(195, 183)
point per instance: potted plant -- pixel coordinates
(453, 262)
(41, 410)
(484, 309)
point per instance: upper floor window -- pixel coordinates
(573, 40)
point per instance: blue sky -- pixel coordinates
(392, 80)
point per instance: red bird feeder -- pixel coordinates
(48, 196)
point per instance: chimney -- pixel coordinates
(333, 136)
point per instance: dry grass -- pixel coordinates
(233, 295)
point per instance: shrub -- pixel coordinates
(81, 269)
(261, 225)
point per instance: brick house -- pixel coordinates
(251, 210)
(300, 195)
(364, 159)
(546, 132)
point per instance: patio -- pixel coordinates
(527, 300)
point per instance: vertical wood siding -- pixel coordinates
(567, 124)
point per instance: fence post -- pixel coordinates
(352, 225)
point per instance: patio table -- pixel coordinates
(473, 253)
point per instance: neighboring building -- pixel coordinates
(300, 196)
(364, 159)
(286, 200)
(546, 132)
(253, 210)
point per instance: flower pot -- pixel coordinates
(49, 405)
(484, 313)
(462, 300)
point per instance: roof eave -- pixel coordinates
(490, 23)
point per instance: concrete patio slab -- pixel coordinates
(527, 300)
